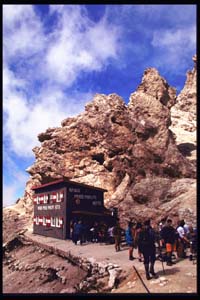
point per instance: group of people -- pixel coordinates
(83, 231)
(144, 237)
(141, 236)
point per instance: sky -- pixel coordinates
(57, 57)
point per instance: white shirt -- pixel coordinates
(186, 228)
(181, 231)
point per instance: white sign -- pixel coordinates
(48, 207)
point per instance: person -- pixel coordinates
(102, 232)
(161, 224)
(72, 223)
(168, 238)
(117, 236)
(137, 231)
(186, 229)
(78, 231)
(146, 242)
(85, 230)
(192, 236)
(110, 235)
(94, 232)
(129, 234)
(182, 240)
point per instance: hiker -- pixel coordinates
(137, 231)
(186, 229)
(110, 235)
(94, 232)
(85, 232)
(77, 234)
(182, 240)
(102, 230)
(192, 236)
(117, 236)
(129, 233)
(72, 222)
(168, 239)
(146, 242)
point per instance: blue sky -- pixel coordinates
(55, 58)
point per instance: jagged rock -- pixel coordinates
(114, 275)
(184, 113)
(127, 149)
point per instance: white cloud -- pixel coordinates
(79, 45)
(9, 194)
(174, 45)
(39, 67)
(22, 32)
(175, 38)
(24, 119)
(14, 180)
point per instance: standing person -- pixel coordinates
(168, 239)
(146, 242)
(110, 235)
(182, 240)
(137, 232)
(117, 236)
(130, 239)
(78, 231)
(72, 222)
(85, 230)
(94, 231)
(186, 229)
(192, 236)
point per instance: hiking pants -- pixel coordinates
(149, 256)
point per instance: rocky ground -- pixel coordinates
(30, 269)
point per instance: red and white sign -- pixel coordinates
(61, 222)
(48, 221)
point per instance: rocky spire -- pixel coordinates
(184, 114)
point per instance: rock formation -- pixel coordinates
(183, 115)
(127, 149)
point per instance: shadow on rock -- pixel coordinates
(186, 148)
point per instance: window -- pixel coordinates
(61, 222)
(38, 200)
(57, 222)
(46, 198)
(53, 197)
(48, 221)
(37, 220)
(60, 196)
(44, 221)
(53, 221)
(57, 197)
(41, 198)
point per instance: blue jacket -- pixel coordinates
(78, 229)
(129, 237)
